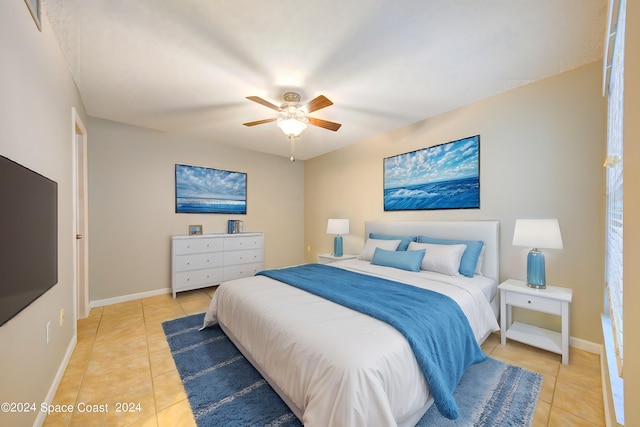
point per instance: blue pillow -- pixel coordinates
(469, 257)
(405, 240)
(406, 260)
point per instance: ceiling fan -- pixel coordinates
(293, 117)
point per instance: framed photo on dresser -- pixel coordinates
(195, 230)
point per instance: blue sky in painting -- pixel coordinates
(445, 162)
(193, 181)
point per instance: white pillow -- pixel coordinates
(371, 245)
(480, 261)
(443, 259)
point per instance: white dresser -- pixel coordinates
(207, 260)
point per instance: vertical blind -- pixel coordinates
(614, 187)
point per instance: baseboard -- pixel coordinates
(585, 345)
(57, 379)
(130, 297)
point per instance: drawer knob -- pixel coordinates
(529, 302)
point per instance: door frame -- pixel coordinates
(80, 216)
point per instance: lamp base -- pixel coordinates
(535, 270)
(337, 246)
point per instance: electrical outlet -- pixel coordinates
(48, 331)
(61, 316)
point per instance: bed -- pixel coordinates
(335, 366)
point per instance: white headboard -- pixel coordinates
(487, 231)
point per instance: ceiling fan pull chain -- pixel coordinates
(292, 158)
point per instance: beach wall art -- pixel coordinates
(207, 190)
(445, 176)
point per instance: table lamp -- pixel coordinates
(536, 234)
(337, 227)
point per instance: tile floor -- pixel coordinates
(122, 358)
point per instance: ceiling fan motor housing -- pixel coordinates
(291, 97)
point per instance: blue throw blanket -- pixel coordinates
(433, 324)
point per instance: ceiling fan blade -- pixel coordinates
(263, 102)
(259, 122)
(324, 124)
(317, 103)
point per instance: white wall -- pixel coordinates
(37, 95)
(541, 153)
(132, 204)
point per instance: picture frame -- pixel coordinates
(444, 176)
(195, 230)
(35, 9)
(208, 190)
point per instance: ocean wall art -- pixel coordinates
(445, 176)
(206, 190)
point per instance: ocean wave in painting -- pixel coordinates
(200, 205)
(454, 194)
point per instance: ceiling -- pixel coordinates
(185, 66)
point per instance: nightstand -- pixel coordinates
(552, 300)
(329, 258)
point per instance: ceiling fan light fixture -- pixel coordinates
(293, 119)
(291, 126)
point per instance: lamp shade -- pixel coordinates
(291, 127)
(338, 226)
(537, 233)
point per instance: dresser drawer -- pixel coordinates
(197, 245)
(198, 261)
(244, 270)
(201, 278)
(242, 257)
(533, 302)
(242, 242)
(208, 260)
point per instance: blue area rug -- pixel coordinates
(225, 390)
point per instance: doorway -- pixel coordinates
(81, 246)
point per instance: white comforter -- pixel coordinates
(337, 366)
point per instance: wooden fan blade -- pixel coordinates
(317, 103)
(324, 124)
(259, 122)
(263, 102)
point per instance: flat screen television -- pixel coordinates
(28, 237)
